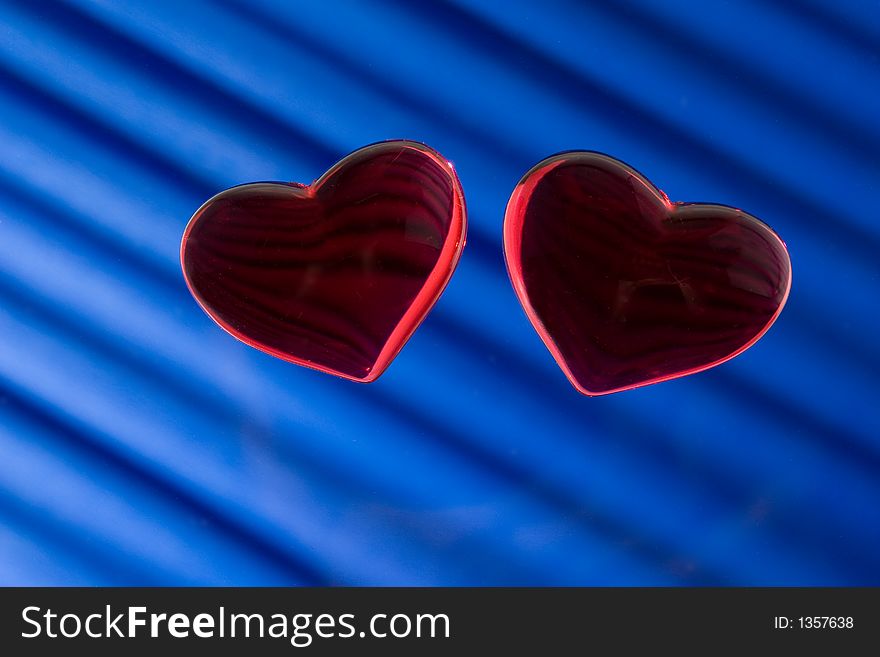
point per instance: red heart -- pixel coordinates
(335, 275)
(626, 288)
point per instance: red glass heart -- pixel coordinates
(335, 275)
(626, 288)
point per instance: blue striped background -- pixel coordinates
(142, 445)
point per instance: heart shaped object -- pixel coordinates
(626, 288)
(335, 275)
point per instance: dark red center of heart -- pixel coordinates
(336, 275)
(626, 288)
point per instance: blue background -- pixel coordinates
(140, 444)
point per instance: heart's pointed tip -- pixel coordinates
(593, 394)
(372, 375)
(605, 392)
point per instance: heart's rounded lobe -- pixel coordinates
(626, 288)
(335, 275)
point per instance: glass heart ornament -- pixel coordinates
(626, 288)
(335, 275)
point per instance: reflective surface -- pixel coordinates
(336, 275)
(626, 288)
(143, 446)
